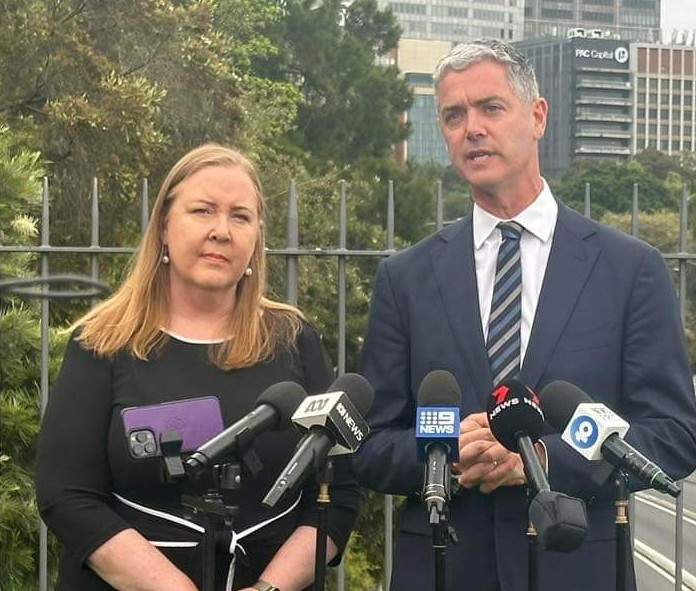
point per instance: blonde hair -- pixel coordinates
(132, 319)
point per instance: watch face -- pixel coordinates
(264, 586)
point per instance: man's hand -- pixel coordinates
(484, 462)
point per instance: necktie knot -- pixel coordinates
(510, 230)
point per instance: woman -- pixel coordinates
(190, 321)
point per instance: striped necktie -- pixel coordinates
(503, 342)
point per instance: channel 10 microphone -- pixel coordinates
(516, 420)
(596, 432)
(273, 410)
(333, 424)
(437, 437)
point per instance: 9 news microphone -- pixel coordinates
(516, 420)
(273, 410)
(334, 424)
(596, 432)
(437, 437)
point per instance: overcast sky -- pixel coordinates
(678, 14)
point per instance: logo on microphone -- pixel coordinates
(500, 394)
(584, 431)
(437, 421)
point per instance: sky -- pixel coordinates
(678, 14)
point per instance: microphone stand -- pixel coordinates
(532, 548)
(214, 510)
(624, 555)
(324, 479)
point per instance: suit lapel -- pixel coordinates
(570, 262)
(455, 273)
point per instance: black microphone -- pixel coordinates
(335, 425)
(273, 410)
(516, 420)
(595, 431)
(437, 436)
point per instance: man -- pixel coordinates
(549, 296)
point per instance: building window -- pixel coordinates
(599, 17)
(557, 13)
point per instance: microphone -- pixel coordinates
(516, 420)
(596, 432)
(334, 425)
(437, 437)
(273, 409)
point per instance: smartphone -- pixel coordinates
(196, 420)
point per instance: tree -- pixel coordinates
(611, 185)
(121, 89)
(352, 105)
(20, 195)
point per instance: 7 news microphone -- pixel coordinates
(516, 420)
(334, 425)
(596, 432)
(273, 410)
(437, 437)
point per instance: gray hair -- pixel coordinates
(519, 71)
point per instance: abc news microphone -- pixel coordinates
(437, 437)
(273, 410)
(334, 425)
(596, 432)
(516, 421)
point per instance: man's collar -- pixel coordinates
(539, 218)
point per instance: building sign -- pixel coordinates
(600, 53)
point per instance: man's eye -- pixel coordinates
(453, 117)
(493, 108)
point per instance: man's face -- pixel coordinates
(491, 133)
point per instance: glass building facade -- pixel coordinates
(634, 20)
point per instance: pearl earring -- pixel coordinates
(248, 271)
(165, 254)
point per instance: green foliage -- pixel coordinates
(352, 105)
(611, 185)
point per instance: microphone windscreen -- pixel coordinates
(559, 400)
(357, 388)
(284, 397)
(439, 388)
(513, 411)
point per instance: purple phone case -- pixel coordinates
(196, 419)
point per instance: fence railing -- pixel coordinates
(292, 252)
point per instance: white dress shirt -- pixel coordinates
(539, 223)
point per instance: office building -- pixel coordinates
(634, 20)
(588, 84)
(458, 20)
(664, 115)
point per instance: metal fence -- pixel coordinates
(291, 253)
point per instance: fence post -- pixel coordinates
(144, 206)
(293, 241)
(679, 508)
(439, 207)
(342, 242)
(45, 362)
(94, 242)
(390, 217)
(588, 204)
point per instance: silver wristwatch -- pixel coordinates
(264, 586)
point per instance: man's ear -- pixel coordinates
(540, 111)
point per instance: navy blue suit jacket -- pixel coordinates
(607, 320)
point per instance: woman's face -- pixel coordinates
(211, 230)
